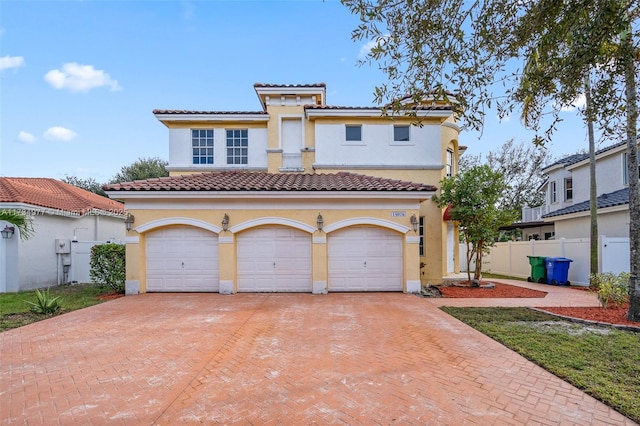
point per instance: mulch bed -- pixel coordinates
(500, 291)
(110, 296)
(611, 315)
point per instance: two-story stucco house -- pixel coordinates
(296, 196)
(566, 212)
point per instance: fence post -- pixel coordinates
(562, 247)
(509, 257)
(601, 246)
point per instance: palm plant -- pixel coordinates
(19, 220)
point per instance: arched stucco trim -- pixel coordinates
(177, 221)
(367, 221)
(273, 221)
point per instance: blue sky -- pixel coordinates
(79, 79)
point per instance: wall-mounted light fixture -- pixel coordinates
(8, 232)
(414, 222)
(129, 221)
(225, 222)
(320, 222)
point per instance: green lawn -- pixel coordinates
(603, 362)
(15, 312)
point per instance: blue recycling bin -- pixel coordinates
(557, 270)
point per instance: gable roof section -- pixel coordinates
(262, 181)
(57, 195)
(611, 199)
(576, 158)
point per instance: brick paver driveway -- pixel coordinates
(275, 359)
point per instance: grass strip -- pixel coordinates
(602, 361)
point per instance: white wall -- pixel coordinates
(511, 259)
(614, 224)
(33, 263)
(181, 154)
(609, 173)
(377, 146)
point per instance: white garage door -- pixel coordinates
(182, 258)
(365, 259)
(274, 258)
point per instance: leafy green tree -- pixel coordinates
(474, 195)
(143, 168)
(20, 221)
(108, 265)
(88, 184)
(534, 55)
(521, 166)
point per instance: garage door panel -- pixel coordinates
(365, 259)
(274, 259)
(182, 259)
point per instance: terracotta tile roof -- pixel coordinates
(185, 111)
(290, 85)
(426, 108)
(54, 194)
(262, 181)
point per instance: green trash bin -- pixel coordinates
(538, 269)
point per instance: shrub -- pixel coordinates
(610, 287)
(108, 266)
(45, 304)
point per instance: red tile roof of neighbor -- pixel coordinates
(191, 112)
(419, 108)
(289, 85)
(261, 181)
(54, 194)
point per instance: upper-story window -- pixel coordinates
(553, 192)
(353, 132)
(449, 163)
(401, 133)
(568, 189)
(237, 146)
(202, 146)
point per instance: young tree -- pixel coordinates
(474, 196)
(20, 221)
(88, 184)
(143, 168)
(521, 166)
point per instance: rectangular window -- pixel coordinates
(238, 146)
(401, 133)
(353, 132)
(553, 193)
(625, 170)
(421, 233)
(202, 146)
(568, 189)
(449, 165)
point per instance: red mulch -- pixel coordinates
(500, 291)
(611, 315)
(110, 296)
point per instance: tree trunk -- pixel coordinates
(628, 55)
(477, 274)
(593, 193)
(469, 257)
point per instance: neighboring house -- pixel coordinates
(566, 212)
(298, 196)
(63, 218)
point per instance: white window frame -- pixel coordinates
(231, 159)
(393, 135)
(568, 187)
(449, 163)
(553, 192)
(346, 133)
(203, 147)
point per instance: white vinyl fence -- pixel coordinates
(510, 258)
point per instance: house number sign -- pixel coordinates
(398, 214)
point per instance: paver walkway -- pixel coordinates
(296, 359)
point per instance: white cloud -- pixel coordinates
(579, 102)
(80, 78)
(366, 48)
(58, 133)
(26, 137)
(7, 62)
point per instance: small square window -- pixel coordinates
(401, 133)
(353, 132)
